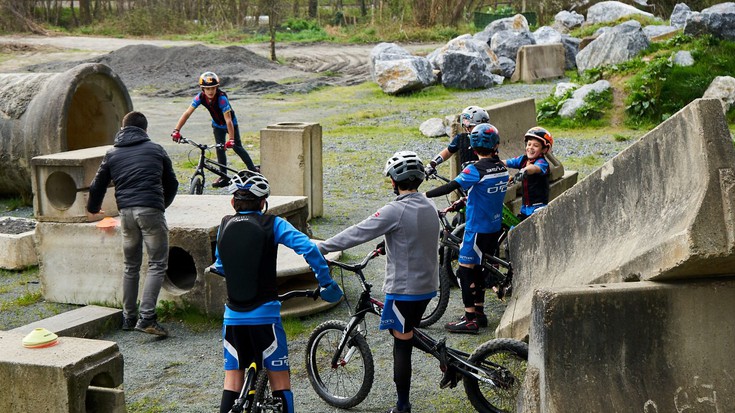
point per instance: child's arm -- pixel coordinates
(175, 135)
(230, 125)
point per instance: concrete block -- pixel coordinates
(61, 185)
(539, 62)
(90, 321)
(90, 269)
(633, 347)
(291, 159)
(663, 209)
(17, 251)
(62, 378)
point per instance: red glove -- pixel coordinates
(230, 144)
(176, 136)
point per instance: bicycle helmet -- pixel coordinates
(208, 79)
(473, 115)
(404, 165)
(541, 134)
(249, 186)
(484, 135)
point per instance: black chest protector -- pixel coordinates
(213, 107)
(535, 187)
(248, 251)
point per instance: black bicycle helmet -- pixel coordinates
(249, 186)
(484, 135)
(208, 79)
(404, 165)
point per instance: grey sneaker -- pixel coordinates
(151, 326)
(128, 323)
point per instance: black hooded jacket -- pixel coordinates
(140, 170)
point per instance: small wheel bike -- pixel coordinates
(256, 395)
(196, 182)
(340, 366)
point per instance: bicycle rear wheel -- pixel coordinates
(505, 361)
(197, 185)
(438, 305)
(347, 383)
(264, 401)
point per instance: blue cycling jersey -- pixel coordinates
(486, 182)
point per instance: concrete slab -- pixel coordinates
(17, 251)
(66, 374)
(539, 62)
(633, 347)
(89, 270)
(90, 321)
(663, 209)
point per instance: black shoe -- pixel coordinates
(151, 326)
(463, 326)
(449, 379)
(220, 182)
(481, 320)
(397, 410)
(128, 323)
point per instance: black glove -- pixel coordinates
(520, 176)
(430, 169)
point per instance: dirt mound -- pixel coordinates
(173, 71)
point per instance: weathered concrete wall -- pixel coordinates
(539, 62)
(45, 113)
(662, 209)
(650, 347)
(17, 251)
(291, 159)
(62, 378)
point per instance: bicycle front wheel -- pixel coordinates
(438, 305)
(264, 401)
(197, 185)
(347, 383)
(504, 363)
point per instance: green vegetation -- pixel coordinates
(193, 318)
(149, 405)
(13, 203)
(591, 114)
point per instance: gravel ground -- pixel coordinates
(183, 373)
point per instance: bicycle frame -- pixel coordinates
(204, 163)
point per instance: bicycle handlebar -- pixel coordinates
(201, 146)
(379, 250)
(314, 294)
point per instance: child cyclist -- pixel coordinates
(224, 122)
(533, 170)
(470, 117)
(410, 225)
(485, 182)
(247, 245)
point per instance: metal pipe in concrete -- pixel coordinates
(46, 113)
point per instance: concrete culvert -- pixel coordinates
(46, 113)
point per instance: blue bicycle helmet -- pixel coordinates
(485, 136)
(248, 185)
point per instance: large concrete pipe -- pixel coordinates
(46, 113)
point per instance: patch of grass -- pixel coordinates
(24, 300)
(12, 203)
(194, 319)
(149, 405)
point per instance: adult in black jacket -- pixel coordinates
(145, 185)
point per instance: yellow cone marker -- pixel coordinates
(39, 338)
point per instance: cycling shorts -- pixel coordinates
(474, 245)
(264, 344)
(402, 316)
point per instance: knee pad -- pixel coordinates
(466, 279)
(478, 291)
(286, 398)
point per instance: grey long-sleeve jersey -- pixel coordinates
(411, 227)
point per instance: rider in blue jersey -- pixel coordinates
(533, 171)
(246, 254)
(485, 182)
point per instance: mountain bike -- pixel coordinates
(256, 395)
(196, 182)
(341, 369)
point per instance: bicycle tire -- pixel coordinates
(329, 383)
(450, 257)
(512, 355)
(438, 305)
(263, 401)
(197, 185)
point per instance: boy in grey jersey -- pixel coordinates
(410, 225)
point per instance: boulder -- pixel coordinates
(571, 106)
(562, 88)
(507, 42)
(658, 31)
(682, 58)
(515, 23)
(386, 51)
(610, 11)
(404, 75)
(723, 88)
(464, 43)
(433, 128)
(718, 20)
(680, 15)
(620, 44)
(546, 35)
(466, 70)
(507, 66)
(564, 21)
(571, 48)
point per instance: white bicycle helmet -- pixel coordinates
(253, 184)
(474, 115)
(404, 165)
